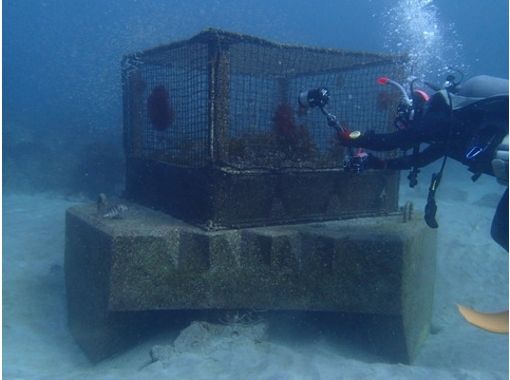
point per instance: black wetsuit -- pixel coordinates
(477, 120)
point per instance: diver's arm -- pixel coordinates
(418, 160)
(403, 139)
(433, 126)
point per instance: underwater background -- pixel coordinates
(62, 104)
(62, 145)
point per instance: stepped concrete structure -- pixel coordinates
(117, 270)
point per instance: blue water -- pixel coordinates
(61, 59)
(62, 99)
(61, 78)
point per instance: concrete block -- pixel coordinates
(118, 271)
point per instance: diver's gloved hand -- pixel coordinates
(500, 162)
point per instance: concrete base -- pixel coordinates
(117, 270)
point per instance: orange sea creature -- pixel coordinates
(293, 138)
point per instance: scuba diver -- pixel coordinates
(467, 122)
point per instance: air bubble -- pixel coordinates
(413, 27)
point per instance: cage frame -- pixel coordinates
(205, 208)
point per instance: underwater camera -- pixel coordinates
(357, 162)
(318, 97)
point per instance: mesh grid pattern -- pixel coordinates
(262, 80)
(185, 141)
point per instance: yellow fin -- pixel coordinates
(493, 322)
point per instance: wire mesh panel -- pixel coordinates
(213, 121)
(166, 98)
(267, 128)
(230, 99)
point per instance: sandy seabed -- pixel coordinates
(472, 270)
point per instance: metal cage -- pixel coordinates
(223, 104)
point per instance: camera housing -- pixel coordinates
(318, 97)
(357, 163)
